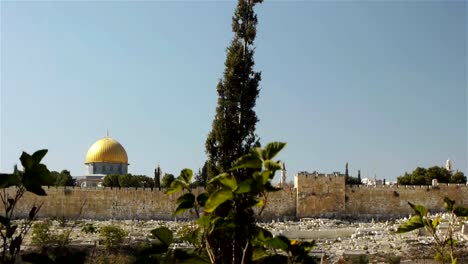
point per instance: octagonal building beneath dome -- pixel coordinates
(106, 156)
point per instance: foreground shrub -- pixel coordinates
(112, 236)
(31, 179)
(44, 237)
(444, 241)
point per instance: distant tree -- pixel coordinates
(458, 177)
(143, 181)
(346, 172)
(111, 180)
(157, 177)
(353, 180)
(422, 176)
(418, 177)
(127, 180)
(404, 179)
(359, 176)
(64, 179)
(167, 180)
(54, 176)
(384, 182)
(202, 176)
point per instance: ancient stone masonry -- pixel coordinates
(315, 195)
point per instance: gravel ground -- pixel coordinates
(336, 240)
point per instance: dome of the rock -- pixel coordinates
(106, 156)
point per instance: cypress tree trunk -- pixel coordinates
(233, 131)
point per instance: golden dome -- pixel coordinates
(106, 150)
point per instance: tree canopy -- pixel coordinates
(423, 176)
(128, 180)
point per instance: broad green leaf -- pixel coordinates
(258, 252)
(217, 198)
(188, 197)
(272, 149)
(26, 160)
(419, 209)
(183, 207)
(225, 179)
(185, 202)
(448, 204)
(186, 176)
(436, 222)
(38, 155)
(461, 211)
(163, 234)
(454, 261)
(7, 180)
(279, 242)
(413, 223)
(244, 187)
(201, 199)
(204, 220)
(176, 186)
(220, 223)
(248, 161)
(272, 165)
(262, 234)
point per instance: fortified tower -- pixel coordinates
(320, 194)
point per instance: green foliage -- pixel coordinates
(217, 233)
(112, 235)
(458, 177)
(201, 178)
(89, 228)
(167, 180)
(63, 178)
(157, 177)
(444, 242)
(233, 128)
(31, 179)
(422, 176)
(353, 180)
(43, 236)
(128, 180)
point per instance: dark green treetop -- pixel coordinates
(233, 128)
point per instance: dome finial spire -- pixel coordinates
(107, 132)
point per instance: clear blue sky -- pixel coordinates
(379, 85)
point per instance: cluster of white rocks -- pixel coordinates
(336, 239)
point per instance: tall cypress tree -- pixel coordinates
(233, 132)
(233, 129)
(157, 177)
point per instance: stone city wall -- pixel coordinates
(131, 203)
(322, 195)
(315, 196)
(393, 200)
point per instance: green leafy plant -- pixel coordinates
(89, 228)
(43, 236)
(31, 179)
(444, 241)
(112, 236)
(233, 196)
